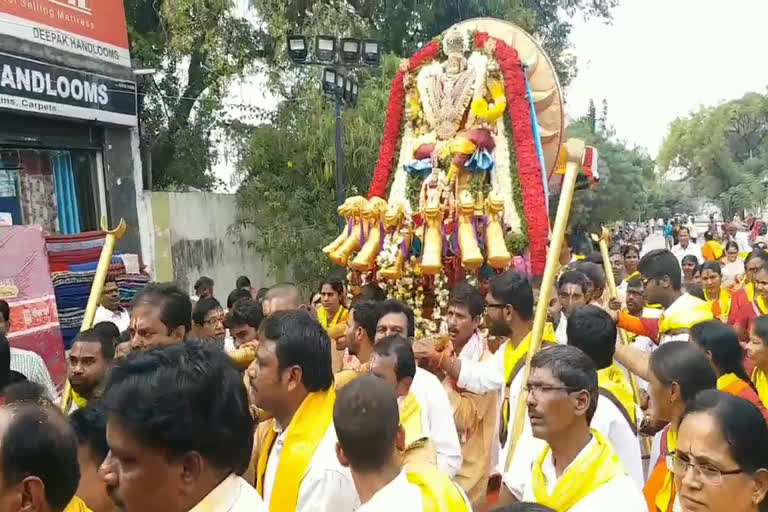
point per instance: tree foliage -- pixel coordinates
(197, 47)
(722, 152)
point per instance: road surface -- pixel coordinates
(654, 241)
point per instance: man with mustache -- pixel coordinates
(89, 359)
(474, 414)
(179, 433)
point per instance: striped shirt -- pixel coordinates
(31, 365)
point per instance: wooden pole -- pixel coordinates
(603, 244)
(575, 154)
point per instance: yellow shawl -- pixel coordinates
(76, 505)
(666, 493)
(613, 380)
(586, 473)
(760, 380)
(306, 430)
(439, 492)
(410, 420)
(339, 318)
(70, 396)
(684, 313)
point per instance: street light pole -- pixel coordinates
(339, 161)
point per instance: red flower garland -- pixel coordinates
(528, 167)
(394, 119)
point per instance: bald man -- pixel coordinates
(281, 297)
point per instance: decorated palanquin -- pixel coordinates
(477, 116)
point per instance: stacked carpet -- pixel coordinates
(73, 260)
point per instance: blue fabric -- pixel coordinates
(66, 196)
(85, 267)
(537, 141)
(480, 161)
(419, 167)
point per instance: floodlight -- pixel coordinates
(371, 52)
(325, 49)
(298, 49)
(350, 50)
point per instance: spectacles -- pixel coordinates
(214, 320)
(536, 389)
(705, 473)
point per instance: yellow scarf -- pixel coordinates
(760, 380)
(514, 359)
(70, 396)
(613, 380)
(666, 493)
(410, 420)
(306, 430)
(761, 305)
(685, 314)
(76, 505)
(749, 289)
(340, 316)
(587, 472)
(724, 303)
(439, 493)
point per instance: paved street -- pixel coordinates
(655, 241)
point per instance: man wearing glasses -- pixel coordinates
(577, 470)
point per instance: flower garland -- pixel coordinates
(528, 166)
(395, 116)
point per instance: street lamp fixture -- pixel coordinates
(350, 92)
(329, 81)
(371, 52)
(325, 49)
(298, 49)
(340, 81)
(350, 50)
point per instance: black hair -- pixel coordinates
(108, 329)
(708, 235)
(366, 418)
(635, 282)
(366, 314)
(682, 362)
(38, 442)
(398, 347)
(395, 306)
(592, 330)
(5, 361)
(243, 282)
(573, 368)
(203, 307)
(372, 292)
(176, 307)
(760, 328)
(261, 293)
(236, 295)
(689, 258)
(203, 281)
(90, 426)
(594, 257)
(695, 289)
(24, 391)
(660, 263)
(713, 266)
(741, 424)
(594, 273)
(626, 249)
(574, 277)
(183, 398)
(522, 506)
(732, 243)
(105, 341)
(722, 342)
(513, 288)
(299, 340)
(5, 310)
(683, 228)
(245, 312)
(466, 295)
(757, 253)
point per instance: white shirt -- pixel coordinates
(619, 492)
(692, 249)
(233, 494)
(121, 318)
(561, 333)
(327, 486)
(398, 495)
(32, 366)
(437, 420)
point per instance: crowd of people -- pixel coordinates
(653, 399)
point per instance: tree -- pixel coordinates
(197, 48)
(591, 119)
(722, 151)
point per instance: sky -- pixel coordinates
(656, 61)
(663, 59)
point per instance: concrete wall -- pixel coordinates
(192, 237)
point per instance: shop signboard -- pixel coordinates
(30, 85)
(93, 28)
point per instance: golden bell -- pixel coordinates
(344, 210)
(352, 243)
(366, 258)
(471, 257)
(496, 248)
(432, 252)
(243, 356)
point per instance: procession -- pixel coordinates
(477, 301)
